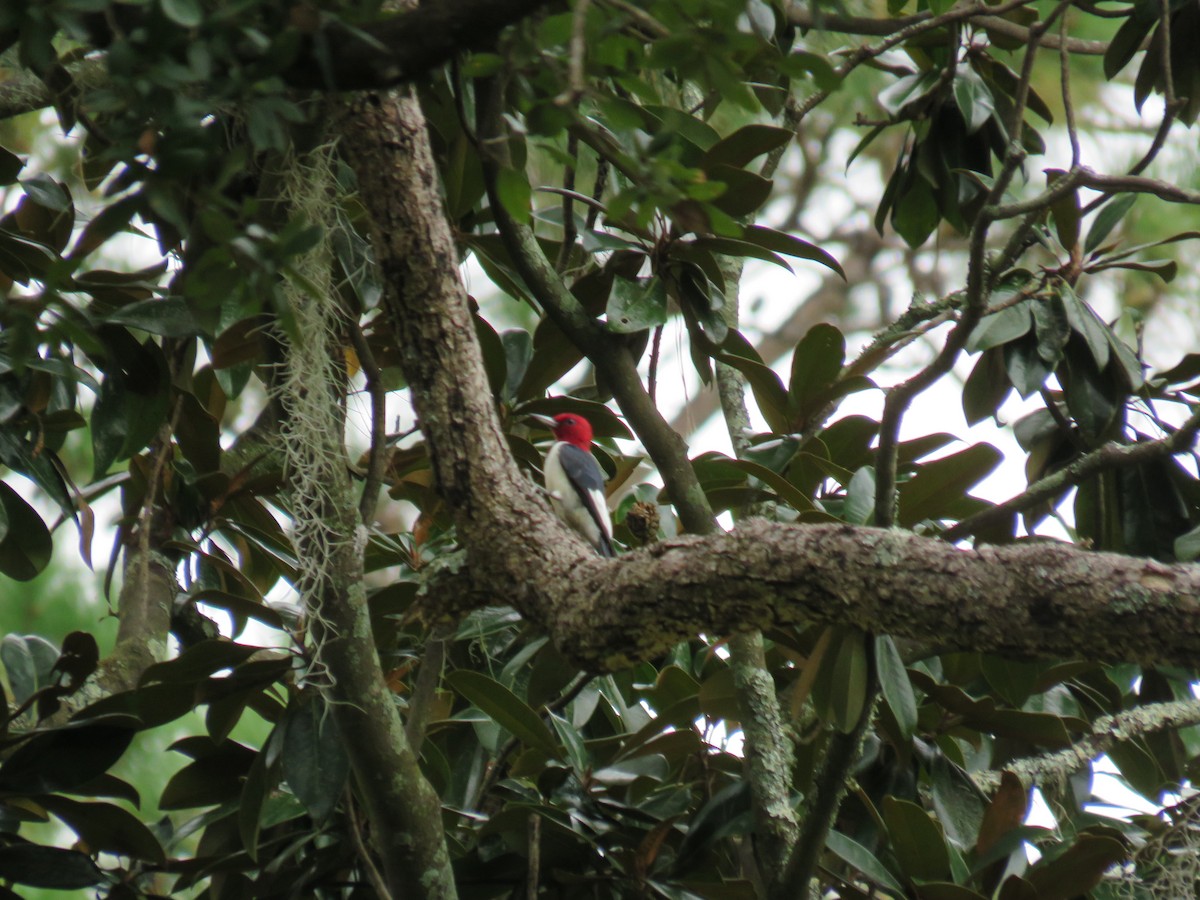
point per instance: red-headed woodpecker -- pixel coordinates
(575, 482)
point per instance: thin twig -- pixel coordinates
(568, 207)
(364, 855)
(376, 459)
(1110, 456)
(978, 287)
(1106, 731)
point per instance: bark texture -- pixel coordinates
(1027, 600)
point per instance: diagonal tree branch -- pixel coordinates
(1106, 731)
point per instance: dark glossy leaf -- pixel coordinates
(789, 245)
(816, 362)
(1080, 868)
(29, 661)
(862, 861)
(68, 756)
(1110, 215)
(262, 778)
(637, 305)
(39, 464)
(10, 166)
(198, 662)
(957, 801)
(1005, 812)
(505, 708)
(1024, 366)
(859, 508)
(214, 777)
(513, 191)
(107, 827)
(26, 545)
(168, 316)
(518, 351)
(893, 681)
(940, 484)
(916, 840)
(973, 98)
(1087, 324)
(840, 689)
(315, 764)
(1128, 39)
(987, 387)
(744, 145)
(768, 389)
(740, 249)
(48, 867)
(1001, 327)
(915, 212)
(745, 192)
(1092, 398)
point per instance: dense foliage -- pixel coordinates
(653, 150)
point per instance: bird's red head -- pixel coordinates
(572, 428)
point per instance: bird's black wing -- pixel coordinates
(587, 479)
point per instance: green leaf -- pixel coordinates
(25, 544)
(987, 387)
(572, 740)
(1065, 212)
(48, 867)
(957, 801)
(816, 363)
(895, 684)
(187, 13)
(169, 316)
(768, 389)
(939, 485)
(29, 660)
(513, 191)
(45, 191)
(781, 242)
(863, 861)
(1087, 324)
(745, 144)
(1109, 216)
(10, 166)
(1024, 366)
(859, 508)
(916, 840)
(505, 708)
(67, 757)
(262, 778)
(973, 97)
(740, 249)
(107, 827)
(1001, 327)
(39, 464)
(915, 212)
(636, 305)
(1187, 546)
(315, 764)
(1080, 868)
(840, 688)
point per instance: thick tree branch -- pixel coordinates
(394, 51)
(808, 15)
(333, 56)
(1032, 600)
